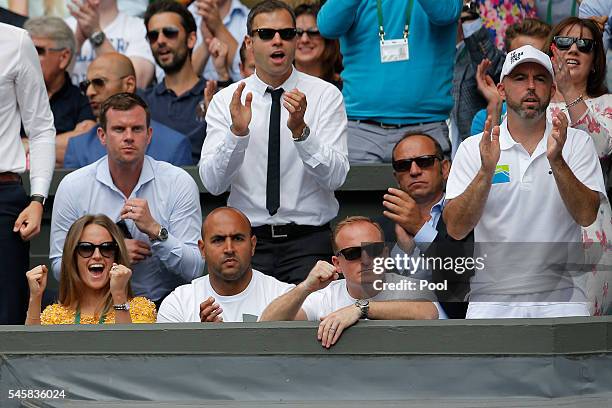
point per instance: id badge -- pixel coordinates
(394, 50)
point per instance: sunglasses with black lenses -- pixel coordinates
(169, 32)
(96, 82)
(373, 250)
(42, 51)
(311, 32)
(584, 45)
(266, 34)
(422, 161)
(87, 249)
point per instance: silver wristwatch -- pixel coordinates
(304, 135)
(162, 235)
(364, 306)
(97, 38)
(122, 307)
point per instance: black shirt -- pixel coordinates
(70, 107)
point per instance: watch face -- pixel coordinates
(163, 234)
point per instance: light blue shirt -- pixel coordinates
(174, 201)
(235, 22)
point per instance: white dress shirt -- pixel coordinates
(24, 99)
(174, 201)
(310, 170)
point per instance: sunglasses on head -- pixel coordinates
(169, 32)
(42, 51)
(87, 249)
(311, 32)
(373, 250)
(584, 45)
(266, 34)
(422, 161)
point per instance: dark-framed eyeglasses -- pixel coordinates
(584, 45)
(42, 51)
(87, 249)
(311, 32)
(266, 34)
(372, 250)
(422, 161)
(169, 32)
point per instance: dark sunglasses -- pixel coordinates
(96, 82)
(373, 250)
(422, 161)
(87, 249)
(266, 34)
(311, 32)
(169, 32)
(584, 45)
(42, 51)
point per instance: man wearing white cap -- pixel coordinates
(525, 187)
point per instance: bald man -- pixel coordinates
(156, 204)
(108, 75)
(232, 291)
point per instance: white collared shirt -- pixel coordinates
(24, 99)
(310, 170)
(174, 201)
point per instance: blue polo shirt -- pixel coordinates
(70, 107)
(166, 145)
(179, 112)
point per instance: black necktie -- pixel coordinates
(273, 180)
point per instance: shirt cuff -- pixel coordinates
(308, 150)
(163, 249)
(425, 237)
(234, 142)
(470, 27)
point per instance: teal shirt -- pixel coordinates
(405, 92)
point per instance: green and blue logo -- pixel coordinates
(502, 174)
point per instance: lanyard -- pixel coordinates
(549, 11)
(77, 317)
(381, 31)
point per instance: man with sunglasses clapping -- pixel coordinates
(367, 291)
(277, 140)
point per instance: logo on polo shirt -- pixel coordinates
(502, 174)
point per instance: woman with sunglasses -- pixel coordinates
(94, 281)
(315, 55)
(579, 62)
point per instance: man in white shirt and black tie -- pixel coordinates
(282, 163)
(24, 100)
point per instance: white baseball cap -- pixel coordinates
(526, 53)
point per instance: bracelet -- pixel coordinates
(574, 102)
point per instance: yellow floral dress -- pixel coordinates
(142, 310)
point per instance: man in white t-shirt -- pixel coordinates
(100, 28)
(339, 304)
(232, 291)
(525, 187)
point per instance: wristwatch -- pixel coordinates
(39, 198)
(161, 236)
(304, 135)
(97, 38)
(123, 307)
(364, 306)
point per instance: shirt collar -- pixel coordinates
(506, 141)
(437, 207)
(198, 88)
(260, 86)
(103, 174)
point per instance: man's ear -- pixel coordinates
(336, 263)
(129, 84)
(502, 90)
(248, 40)
(65, 57)
(102, 135)
(253, 244)
(191, 40)
(446, 165)
(201, 246)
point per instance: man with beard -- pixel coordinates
(175, 102)
(526, 181)
(232, 291)
(340, 303)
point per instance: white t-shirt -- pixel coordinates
(183, 304)
(524, 207)
(336, 296)
(125, 33)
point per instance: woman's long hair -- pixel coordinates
(596, 81)
(71, 286)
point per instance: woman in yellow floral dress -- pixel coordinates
(94, 280)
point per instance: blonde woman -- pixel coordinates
(94, 280)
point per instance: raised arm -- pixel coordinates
(337, 16)
(441, 12)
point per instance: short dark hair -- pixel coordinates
(123, 102)
(170, 6)
(267, 6)
(439, 151)
(529, 27)
(596, 81)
